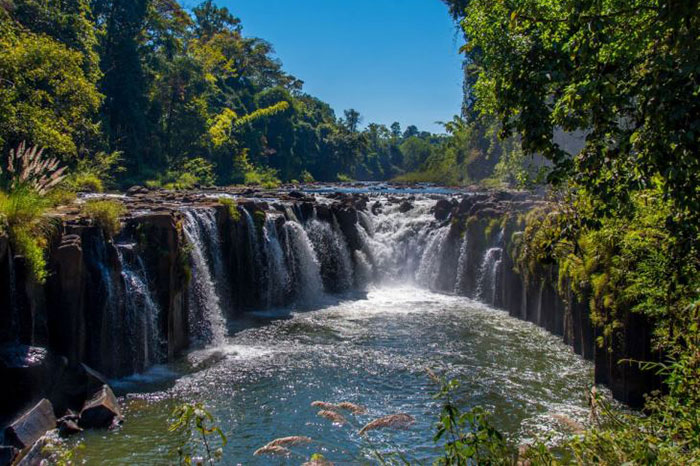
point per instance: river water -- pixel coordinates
(371, 349)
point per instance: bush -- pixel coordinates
(85, 182)
(343, 178)
(232, 207)
(263, 177)
(105, 214)
(307, 177)
(22, 213)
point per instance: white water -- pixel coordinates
(205, 303)
(462, 265)
(276, 284)
(140, 310)
(302, 263)
(488, 273)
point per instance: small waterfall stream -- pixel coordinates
(302, 263)
(276, 284)
(488, 273)
(208, 323)
(141, 312)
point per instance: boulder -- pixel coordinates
(296, 194)
(442, 209)
(31, 425)
(100, 411)
(134, 190)
(405, 207)
(68, 425)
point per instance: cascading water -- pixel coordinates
(332, 253)
(431, 260)
(462, 265)
(208, 322)
(276, 279)
(488, 275)
(141, 312)
(302, 263)
(399, 239)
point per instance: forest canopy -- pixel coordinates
(182, 97)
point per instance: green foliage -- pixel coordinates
(307, 177)
(22, 214)
(343, 178)
(199, 436)
(91, 174)
(231, 207)
(106, 214)
(263, 177)
(468, 437)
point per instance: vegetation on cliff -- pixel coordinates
(625, 230)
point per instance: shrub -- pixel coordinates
(263, 177)
(85, 182)
(105, 214)
(22, 213)
(307, 177)
(232, 207)
(343, 178)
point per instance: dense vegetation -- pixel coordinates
(625, 228)
(176, 98)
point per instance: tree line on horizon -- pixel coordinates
(178, 98)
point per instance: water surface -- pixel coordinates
(371, 350)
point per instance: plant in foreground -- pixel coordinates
(200, 435)
(105, 214)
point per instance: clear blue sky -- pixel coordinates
(392, 60)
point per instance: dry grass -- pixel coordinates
(274, 450)
(325, 406)
(352, 407)
(317, 460)
(289, 441)
(332, 416)
(574, 426)
(398, 421)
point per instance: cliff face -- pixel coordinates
(183, 264)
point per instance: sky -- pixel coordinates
(392, 60)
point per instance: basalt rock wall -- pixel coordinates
(183, 265)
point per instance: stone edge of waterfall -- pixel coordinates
(325, 243)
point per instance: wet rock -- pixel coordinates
(100, 411)
(134, 190)
(68, 425)
(323, 212)
(347, 220)
(442, 209)
(377, 208)
(296, 194)
(31, 426)
(7, 454)
(405, 207)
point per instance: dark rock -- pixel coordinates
(100, 411)
(68, 425)
(323, 212)
(296, 194)
(405, 207)
(134, 190)
(442, 209)
(33, 371)
(347, 220)
(7, 454)
(376, 208)
(31, 426)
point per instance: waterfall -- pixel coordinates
(332, 253)
(431, 260)
(462, 264)
(302, 263)
(276, 279)
(488, 275)
(201, 230)
(141, 312)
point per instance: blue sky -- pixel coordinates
(392, 60)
